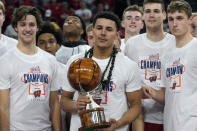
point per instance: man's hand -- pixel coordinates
(82, 101)
(113, 126)
(148, 92)
(157, 95)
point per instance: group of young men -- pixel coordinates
(150, 83)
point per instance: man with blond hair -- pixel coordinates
(132, 23)
(5, 42)
(90, 35)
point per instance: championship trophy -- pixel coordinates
(84, 75)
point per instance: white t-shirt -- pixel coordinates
(62, 74)
(23, 75)
(64, 53)
(124, 79)
(10, 32)
(6, 43)
(180, 113)
(122, 46)
(147, 54)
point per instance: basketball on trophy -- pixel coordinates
(84, 72)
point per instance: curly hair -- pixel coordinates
(52, 28)
(23, 11)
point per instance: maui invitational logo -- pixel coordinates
(174, 73)
(36, 81)
(152, 67)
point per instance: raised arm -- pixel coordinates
(4, 110)
(55, 111)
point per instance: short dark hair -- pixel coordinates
(154, 1)
(23, 11)
(52, 28)
(180, 5)
(107, 15)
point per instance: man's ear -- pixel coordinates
(143, 17)
(81, 32)
(15, 29)
(57, 46)
(118, 34)
(122, 24)
(190, 19)
(164, 15)
(3, 18)
(142, 24)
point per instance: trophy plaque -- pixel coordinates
(84, 75)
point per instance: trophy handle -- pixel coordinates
(93, 104)
(81, 90)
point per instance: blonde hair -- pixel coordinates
(55, 25)
(89, 27)
(194, 14)
(2, 7)
(133, 8)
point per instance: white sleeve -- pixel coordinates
(90, 13)
(134, 81)
(5, 76)
(129, 49)
(59, 73)
(126, 48)
(67, 86)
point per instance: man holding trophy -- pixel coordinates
(118, 85)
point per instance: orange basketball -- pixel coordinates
(85, 72)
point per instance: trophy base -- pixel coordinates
(93, 119)
(96, 126)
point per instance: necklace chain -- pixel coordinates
(105, 83)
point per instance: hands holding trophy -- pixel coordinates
(84, 75)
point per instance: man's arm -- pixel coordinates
(138, 123)
(157, 95)
(55, 111)
(4, 110)
(134, 99)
